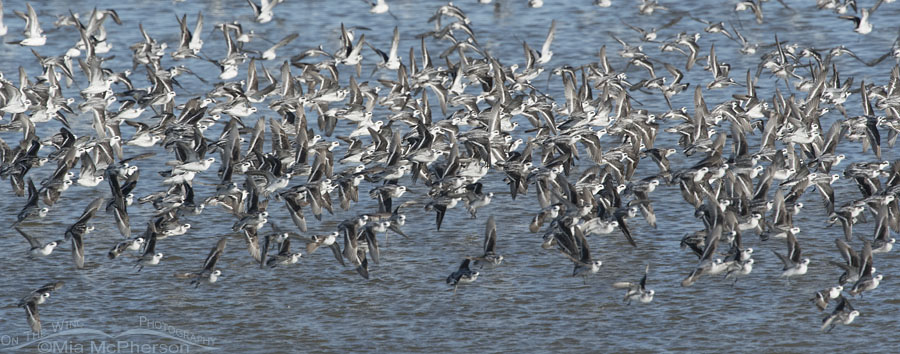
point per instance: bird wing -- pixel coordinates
(215, 254)
(784, 259)
(545, 49)
(793, 247)
(31, 240)
(34, 319)
(490, 235)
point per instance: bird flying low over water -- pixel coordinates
(37, 297)
(490, 243)
(37, 248)
(209, 273)
(794, 265)
(463, 275)
(843, 313)
(637, 290)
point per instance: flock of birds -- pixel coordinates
(577, 155)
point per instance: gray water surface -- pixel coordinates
(530, 303)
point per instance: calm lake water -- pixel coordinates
(530, 302)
